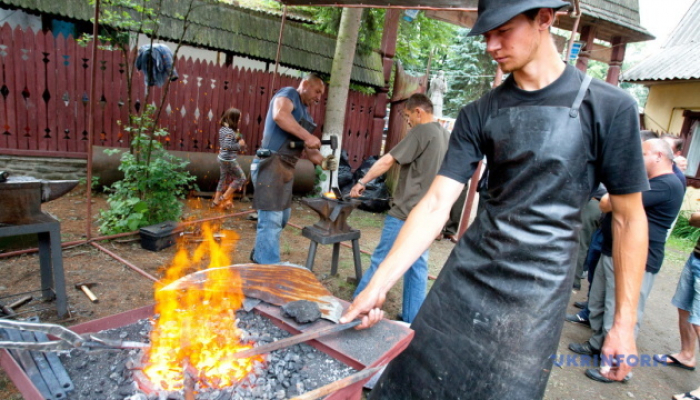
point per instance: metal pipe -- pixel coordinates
(279, 49)
(125, 262)
(204, 166)
(577, 14)
(91, 118)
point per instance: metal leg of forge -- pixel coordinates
(50, 258)
(318, 237)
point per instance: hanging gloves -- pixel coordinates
(330, 163)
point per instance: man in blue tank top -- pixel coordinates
(272, 171)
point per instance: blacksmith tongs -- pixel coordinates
(68, 339)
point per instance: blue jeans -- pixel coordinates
(594, 252)
(415, 280)
(267, 239)
(687, 296)
(270, 225)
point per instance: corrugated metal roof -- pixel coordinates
(221, 26)
(678, 59)
(430, 4)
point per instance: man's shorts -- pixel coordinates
(687, 295)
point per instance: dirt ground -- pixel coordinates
(121, 289)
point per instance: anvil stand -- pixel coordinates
(50, 257)
(332, 228)
(317, 237)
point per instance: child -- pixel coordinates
(232, 177)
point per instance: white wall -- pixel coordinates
(19, 18)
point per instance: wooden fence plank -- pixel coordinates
(52, 116)
(50, 68)
(10, 130)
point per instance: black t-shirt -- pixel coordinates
(680, 176)
(661, 203)
(609, 118)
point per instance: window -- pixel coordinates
(691, 146)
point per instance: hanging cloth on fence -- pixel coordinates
(156, 61)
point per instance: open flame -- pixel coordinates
(330, 195)
(197, 327)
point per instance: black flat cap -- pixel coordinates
(494, 13)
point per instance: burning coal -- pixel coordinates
(197, 326)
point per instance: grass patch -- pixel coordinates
(683, 230)
(365, 220)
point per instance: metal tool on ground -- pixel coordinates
(332, 141)
(85, 287)
(9, 309)
(296, 339)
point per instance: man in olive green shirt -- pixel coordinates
(419, 156)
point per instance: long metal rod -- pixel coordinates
(279, 49)
(125, 262)
(577, 12)
(296, 339)
(91, 118)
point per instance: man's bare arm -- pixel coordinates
(423, 224)
(381, 166)
(630, 247)
(282, 114)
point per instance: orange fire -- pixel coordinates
(197, 326)
(330, 195)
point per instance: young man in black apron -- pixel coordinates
(493, 318)
(272, 171)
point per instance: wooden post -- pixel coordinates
(91, 118)
(587, 36)
(616, 58)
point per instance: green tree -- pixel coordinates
(422, 37)
(154, 181)
(469, 71)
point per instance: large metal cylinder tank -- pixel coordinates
(204, 166)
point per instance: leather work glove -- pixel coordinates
(330, 163)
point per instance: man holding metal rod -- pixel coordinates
(419, 156)
(493, 318)
(272, 171)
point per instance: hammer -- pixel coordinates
(299, 144)
(85, 287)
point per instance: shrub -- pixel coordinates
(683, 230)
(154, 183)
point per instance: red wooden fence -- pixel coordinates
(44, 103)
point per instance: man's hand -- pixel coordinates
(367, 305)
(619, 345)
(357, 190)
(329, 163)
(681, 162)
(312, 142)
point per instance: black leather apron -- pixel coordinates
(273, 189)
(494, 316)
